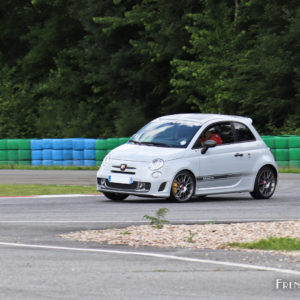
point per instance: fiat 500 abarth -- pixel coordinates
(185, 155)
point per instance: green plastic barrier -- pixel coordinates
(24, 162)
(12, 155)
(24, 155)
(282, 155)
(294, 141)
(3, 144)
(4, 162)
(281, 142)
(24, 144)
(269, 140)
(98, 163)
(12, 144)
(294, 164)
(101, 145)
(100, 154)
(294, 153)
(112, 143)
(123, 140)
(3, 155)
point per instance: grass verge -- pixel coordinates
(289, 171)
(39, 189)
(29, 167)
(272, 243)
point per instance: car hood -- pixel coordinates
(142, 153)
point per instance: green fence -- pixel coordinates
(15, 152)
(286, 150)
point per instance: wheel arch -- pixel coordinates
(185, 170)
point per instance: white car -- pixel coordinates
(185, 155)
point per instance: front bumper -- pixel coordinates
(143, 183)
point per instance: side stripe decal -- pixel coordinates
(217, 177)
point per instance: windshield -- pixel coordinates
(166, 134)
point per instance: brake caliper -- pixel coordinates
(175, 187)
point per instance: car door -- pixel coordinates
(219, 169)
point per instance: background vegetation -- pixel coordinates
(95, 68)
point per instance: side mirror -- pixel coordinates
(208, 144)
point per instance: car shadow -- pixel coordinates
(221, 198)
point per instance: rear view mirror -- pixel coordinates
(208, 144)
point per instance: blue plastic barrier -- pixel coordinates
(57, 154)
(78, 155)
(37, 162)
(90, 163)
(36, 144)
(36, 155)
(78, 162)
(47, 154)
(90, 144)
(67, 154)
(57, 144)
(68, 162)
(47, 162)
(47, 143)
(89, 154)
(78, 144)
(67, 144)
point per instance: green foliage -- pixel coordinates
(125, 232)
(104, 68)
(272, 243)
(158, 221)
(190, 239)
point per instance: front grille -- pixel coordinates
(117, 169)
(121, 186)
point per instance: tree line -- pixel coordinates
(91, 68)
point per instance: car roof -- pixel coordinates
(203, 118)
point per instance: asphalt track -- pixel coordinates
(37, 264)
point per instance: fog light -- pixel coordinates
(141, 185)
(102, 181)
(156, 174)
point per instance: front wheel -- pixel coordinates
(183, 187)
(265, 183)
(115, 196)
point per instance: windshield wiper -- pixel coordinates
(155, 144)
(135, 142)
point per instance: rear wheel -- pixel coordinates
(265, 183)
(183, 187)
(115, 196)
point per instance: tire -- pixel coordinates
(183, 187)
(265, 183)
(115, 196)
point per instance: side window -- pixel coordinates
(220, 132)
(243, 133)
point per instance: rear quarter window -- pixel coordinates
(243, 133)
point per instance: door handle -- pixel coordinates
(238, 154)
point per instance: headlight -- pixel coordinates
(156, 164)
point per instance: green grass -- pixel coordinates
(272, 243)
(39, 189)
(289, 171)
(29, 167)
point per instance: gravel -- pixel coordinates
(204, 236)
